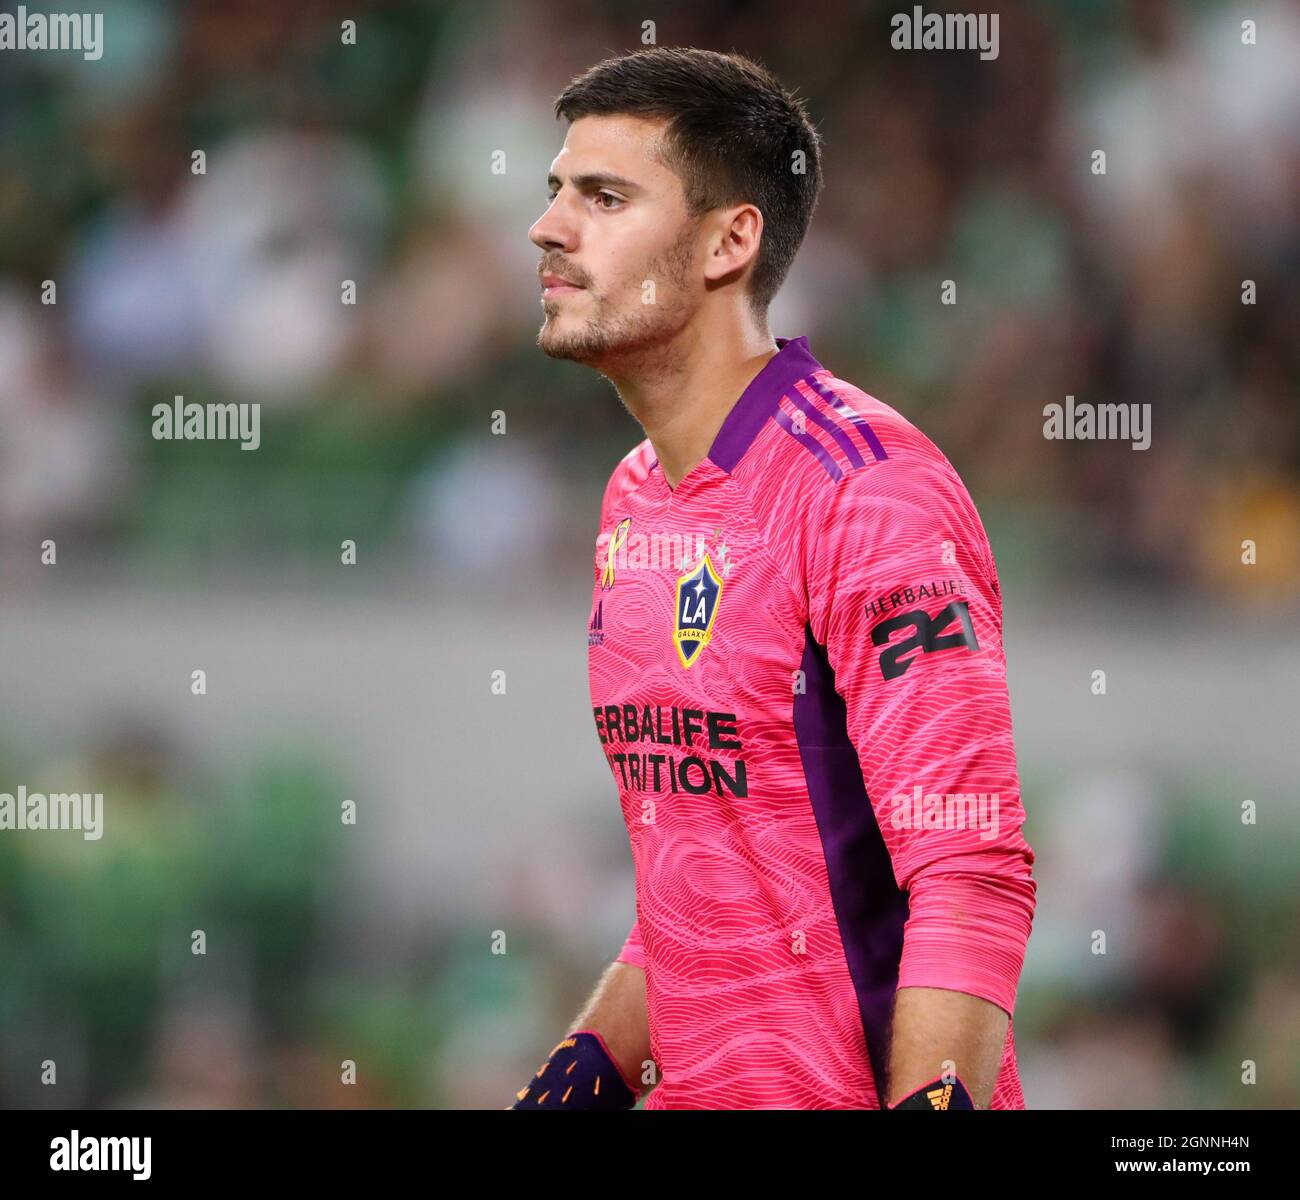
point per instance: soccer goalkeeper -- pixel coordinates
(795, 647)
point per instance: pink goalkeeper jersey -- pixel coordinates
(798, 681)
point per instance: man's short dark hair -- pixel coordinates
(734, 136)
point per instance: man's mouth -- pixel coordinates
(557, 285)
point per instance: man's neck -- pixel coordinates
(683, 399)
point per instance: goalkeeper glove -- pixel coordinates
(937, 1095)
(581, 1073)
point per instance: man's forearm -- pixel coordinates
(936, 1030)
(617, 1011)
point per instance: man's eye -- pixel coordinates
(609, 196)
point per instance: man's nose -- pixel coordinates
(551, 231)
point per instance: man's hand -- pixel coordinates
(601, 1063)
(580, 1074)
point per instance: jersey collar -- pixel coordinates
(759, 401)
(793, 361)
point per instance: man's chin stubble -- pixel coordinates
(572, 348)
(602, 347)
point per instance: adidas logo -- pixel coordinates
(939, 1097)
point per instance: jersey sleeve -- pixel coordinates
(629, 473)
(632, 951)
(902, 592)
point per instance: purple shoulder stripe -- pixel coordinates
(841, 406)
(842, 439)
(808, 442)
(793, 361)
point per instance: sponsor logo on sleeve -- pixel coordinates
(925, 634)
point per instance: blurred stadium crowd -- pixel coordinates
(373, 162)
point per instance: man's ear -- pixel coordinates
(735, 245)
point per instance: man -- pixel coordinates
(795, 647)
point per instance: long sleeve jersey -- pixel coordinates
(798, 681)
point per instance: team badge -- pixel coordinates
(698, 596)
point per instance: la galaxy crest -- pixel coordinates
(698, 595)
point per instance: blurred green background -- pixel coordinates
(479, 813)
